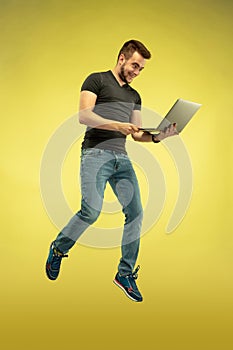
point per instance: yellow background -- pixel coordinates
(47, 49)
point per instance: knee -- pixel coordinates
(88, 214)
(133, 215)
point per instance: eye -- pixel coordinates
(134, 65)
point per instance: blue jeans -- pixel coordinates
(98, 167)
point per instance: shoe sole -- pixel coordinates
(51, 277)
(122, 288)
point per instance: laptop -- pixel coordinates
(181, 113)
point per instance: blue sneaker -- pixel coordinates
(54, 262)
(127, 283)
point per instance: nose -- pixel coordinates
(136, 71)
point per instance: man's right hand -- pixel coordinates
(126, 128)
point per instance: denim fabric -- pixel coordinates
(98, 167)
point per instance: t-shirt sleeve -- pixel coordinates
(92, 83)
(138, 103)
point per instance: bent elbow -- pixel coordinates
(82, 118)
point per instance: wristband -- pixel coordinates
(154, 140)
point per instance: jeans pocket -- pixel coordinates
(91, 152)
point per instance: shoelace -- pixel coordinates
(134, 273)
(134, 276)
(59, 254)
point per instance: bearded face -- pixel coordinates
(131, 68)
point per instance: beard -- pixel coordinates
(122, 74)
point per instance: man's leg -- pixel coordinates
(125, 186)
(85, 217)
(94, 177)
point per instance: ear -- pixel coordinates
(121, 59)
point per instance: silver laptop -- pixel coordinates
(181, 113)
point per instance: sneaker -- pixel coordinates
(127, 283)
(54, 262)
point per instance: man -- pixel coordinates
(110, 108)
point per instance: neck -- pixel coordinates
(116, 75)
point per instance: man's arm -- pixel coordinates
(88, 117)
(141, 136)
(136, 118)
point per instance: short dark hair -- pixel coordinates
(131, 46)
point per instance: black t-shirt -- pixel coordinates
(113, 102)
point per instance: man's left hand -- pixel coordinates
(167, 132)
